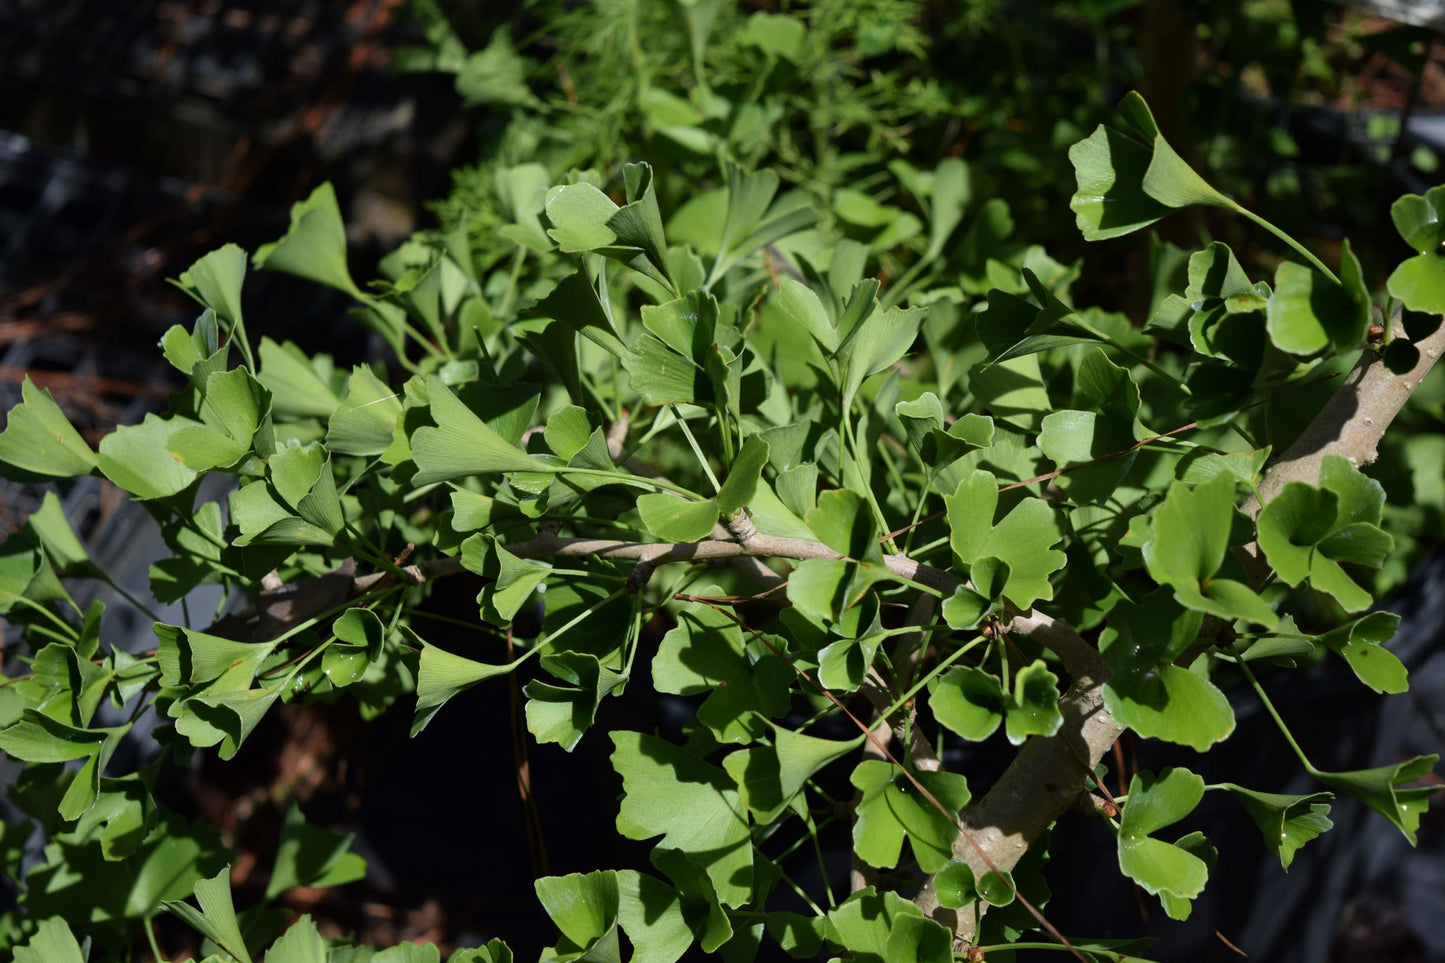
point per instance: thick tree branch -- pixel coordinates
(1353, 421)
(1046, 778)
(1350, 424)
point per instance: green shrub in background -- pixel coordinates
(774, 362)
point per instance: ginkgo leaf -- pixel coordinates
(1168, 870)
(1420, 281)
(215, 280)
(892, 809)
(314, 246)
(1023, 539)
(1186, 549)
(39, 438)
(693, 806)
(1381, 789)
(216, 918)
(53, 942)
(1286, 822)
(463, 444)
(443, 675)
(1146, 690)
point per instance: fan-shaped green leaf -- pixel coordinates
(1023, 539)
(53, 942)
(769, 777)
(216, 919)
(673, 518)
(1381, 790)
(39, 438)
(301, 943)
(1165, 869)
(1420, 219)
(314, 246)
(462, 444)
(1286, 822)
(215, 281)
(563, 713)
(512, 580)
(308, 855)
(1361, 644)
(692, 805)
(892, 809)
(297, 389)
(1309, 312)
(442, 675)
(364, 423)
(1110, 166)
(136, 457)
(1034, 707)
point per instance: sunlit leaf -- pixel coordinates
(693, 806)
(1023, 539)
(1168, 870)
(892, 809)
(1189, 538)
(563, 713)
(443, 675)
(39, 438)
(462, 444)
(53, 942)
(314, 246)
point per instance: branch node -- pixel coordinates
(640, 575)
(742, 527)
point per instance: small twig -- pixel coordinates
(617, 434)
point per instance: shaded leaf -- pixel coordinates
(576, 303)
(216, 919)
(1146, 691)
(1286, 822)
(1381, 789)
(1361, 644)
(1308, 312)
(969, 701)
(308, 855)
(563, 713)
(1110, 166)
(866, 922)
(770, 777)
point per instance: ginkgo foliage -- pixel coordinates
(873, 518)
